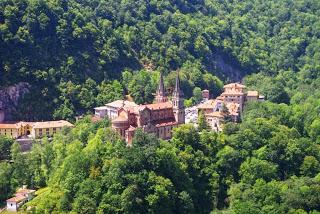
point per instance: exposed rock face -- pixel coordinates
(225, 68)
(9, 99)
(230, 71)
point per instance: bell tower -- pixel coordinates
(178, 102)
(161, 94)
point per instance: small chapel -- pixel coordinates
(158, 118)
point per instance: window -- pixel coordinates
(54, 130)
(40, 132)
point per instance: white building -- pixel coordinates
(101, 111)
(22, 196)
(110, 110)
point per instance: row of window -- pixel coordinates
(5, 131)
(47, 131)
(166, 129)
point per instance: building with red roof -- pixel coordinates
(229, 104)
(22, 196)
(158, 118)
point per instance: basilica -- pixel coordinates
(158, 118)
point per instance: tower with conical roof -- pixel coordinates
(161, 93)
(178, 102)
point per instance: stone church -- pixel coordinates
(158, 118)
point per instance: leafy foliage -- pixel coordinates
(78, 54)
(69, 50)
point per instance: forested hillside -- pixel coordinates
(78, 54)
(72, 52)
(263, 165)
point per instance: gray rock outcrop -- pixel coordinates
(9, 99)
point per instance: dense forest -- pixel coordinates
(266, 164)
(77, 54)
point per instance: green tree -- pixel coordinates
(314, 130)
(108, 92)
(310, 166)
(5, 178)
(253, 169)
(202, 122)
(197, 94)
(5, 146)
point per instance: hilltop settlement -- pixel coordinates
(163, 115)
(158, 118)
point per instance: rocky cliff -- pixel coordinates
(227, 70)
(9, 99)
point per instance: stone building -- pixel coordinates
(229, 104)
(34, 129)
(158, 118)
(234, 93)
(48, 128)
(15, 129)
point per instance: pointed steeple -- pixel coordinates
(161, 92)
(178, 102)
(177, 90)
(161, 86)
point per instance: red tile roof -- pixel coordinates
(234, 85)
(25, 191)
(51, 124)
(208, 104)
(121, 103)
(166, 122)
(9, 125)
(215, 114)
(17, 199)
(155, 106)
(120, 118)
(231, 93)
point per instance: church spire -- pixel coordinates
(178, 102)
(177, 91)
(161, 92)
(161, 85)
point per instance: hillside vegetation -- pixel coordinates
(74, 52)
(78, 54)
(263, 165)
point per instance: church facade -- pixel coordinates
(158, 118)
